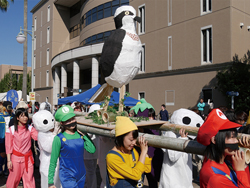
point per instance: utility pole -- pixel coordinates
(24, 88)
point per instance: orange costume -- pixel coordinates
(18, 144)
(209, 179)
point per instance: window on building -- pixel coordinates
(41, 18)
(75, 31)
(40, 80)
(107, 9)
(48, 34)
(115, 5)
(48, 14)
(94, 15)
(34, 62)
(142, 67)
(47, 57)
(99, 37)
(88, 18)
(41, 37)
(206, 44)
(100, 12)
(141, 26)
(169, 97)
(40, 58)
(124, 2)
(47, 78)
(95, 38)
(35, 42)
(207, 94)
(106, 34)
(206, 6)
(141, 95)
(169, 12)
(35, 23)
(170, 53)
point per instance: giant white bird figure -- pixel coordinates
(121, 53)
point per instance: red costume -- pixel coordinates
(208, 178)
(18, 144)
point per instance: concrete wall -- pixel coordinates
(4, 69)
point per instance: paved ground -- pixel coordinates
(37, 179)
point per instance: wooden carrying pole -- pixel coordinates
(187, 146)
(191, 130)
(175, 128)
(153, 140)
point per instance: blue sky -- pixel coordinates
(11, 52)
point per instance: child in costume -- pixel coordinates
(177, 166)
(44, 123)
(224, 164)
(18, 149)
(124, 165)
(69, 147)
(3, 159)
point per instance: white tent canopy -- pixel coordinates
(19, 92)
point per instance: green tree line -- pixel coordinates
(14, 81)
(236, 78)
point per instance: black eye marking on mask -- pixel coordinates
(45, 121)
(186, 120)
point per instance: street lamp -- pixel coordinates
(21, 39)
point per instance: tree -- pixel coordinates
(236, 78)
(10, 81)
(4, 4)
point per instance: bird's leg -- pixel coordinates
(121, 98)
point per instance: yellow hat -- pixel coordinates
(248, 119)
(124, 125)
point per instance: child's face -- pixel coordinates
(232, 140)
(129, 142)
(22, 119)
(69, 121)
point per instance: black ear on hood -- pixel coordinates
(138, 19)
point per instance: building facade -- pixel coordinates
(184, 42)
(15, 70)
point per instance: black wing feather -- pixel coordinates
(111, 50)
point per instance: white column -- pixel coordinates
(95, 72)
(56, 84)
(63, 77)
(76, 75)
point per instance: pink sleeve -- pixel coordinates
(34, 133)
(8, 142)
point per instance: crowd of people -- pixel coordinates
(68, 158)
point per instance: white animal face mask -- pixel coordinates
(186, 117)
(43, 121)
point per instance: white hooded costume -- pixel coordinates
(44, 121)
(177, 166)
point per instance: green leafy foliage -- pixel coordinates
(4, 4)
(139, 119)
(236, 78)
(14, 81)
(95, 118)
